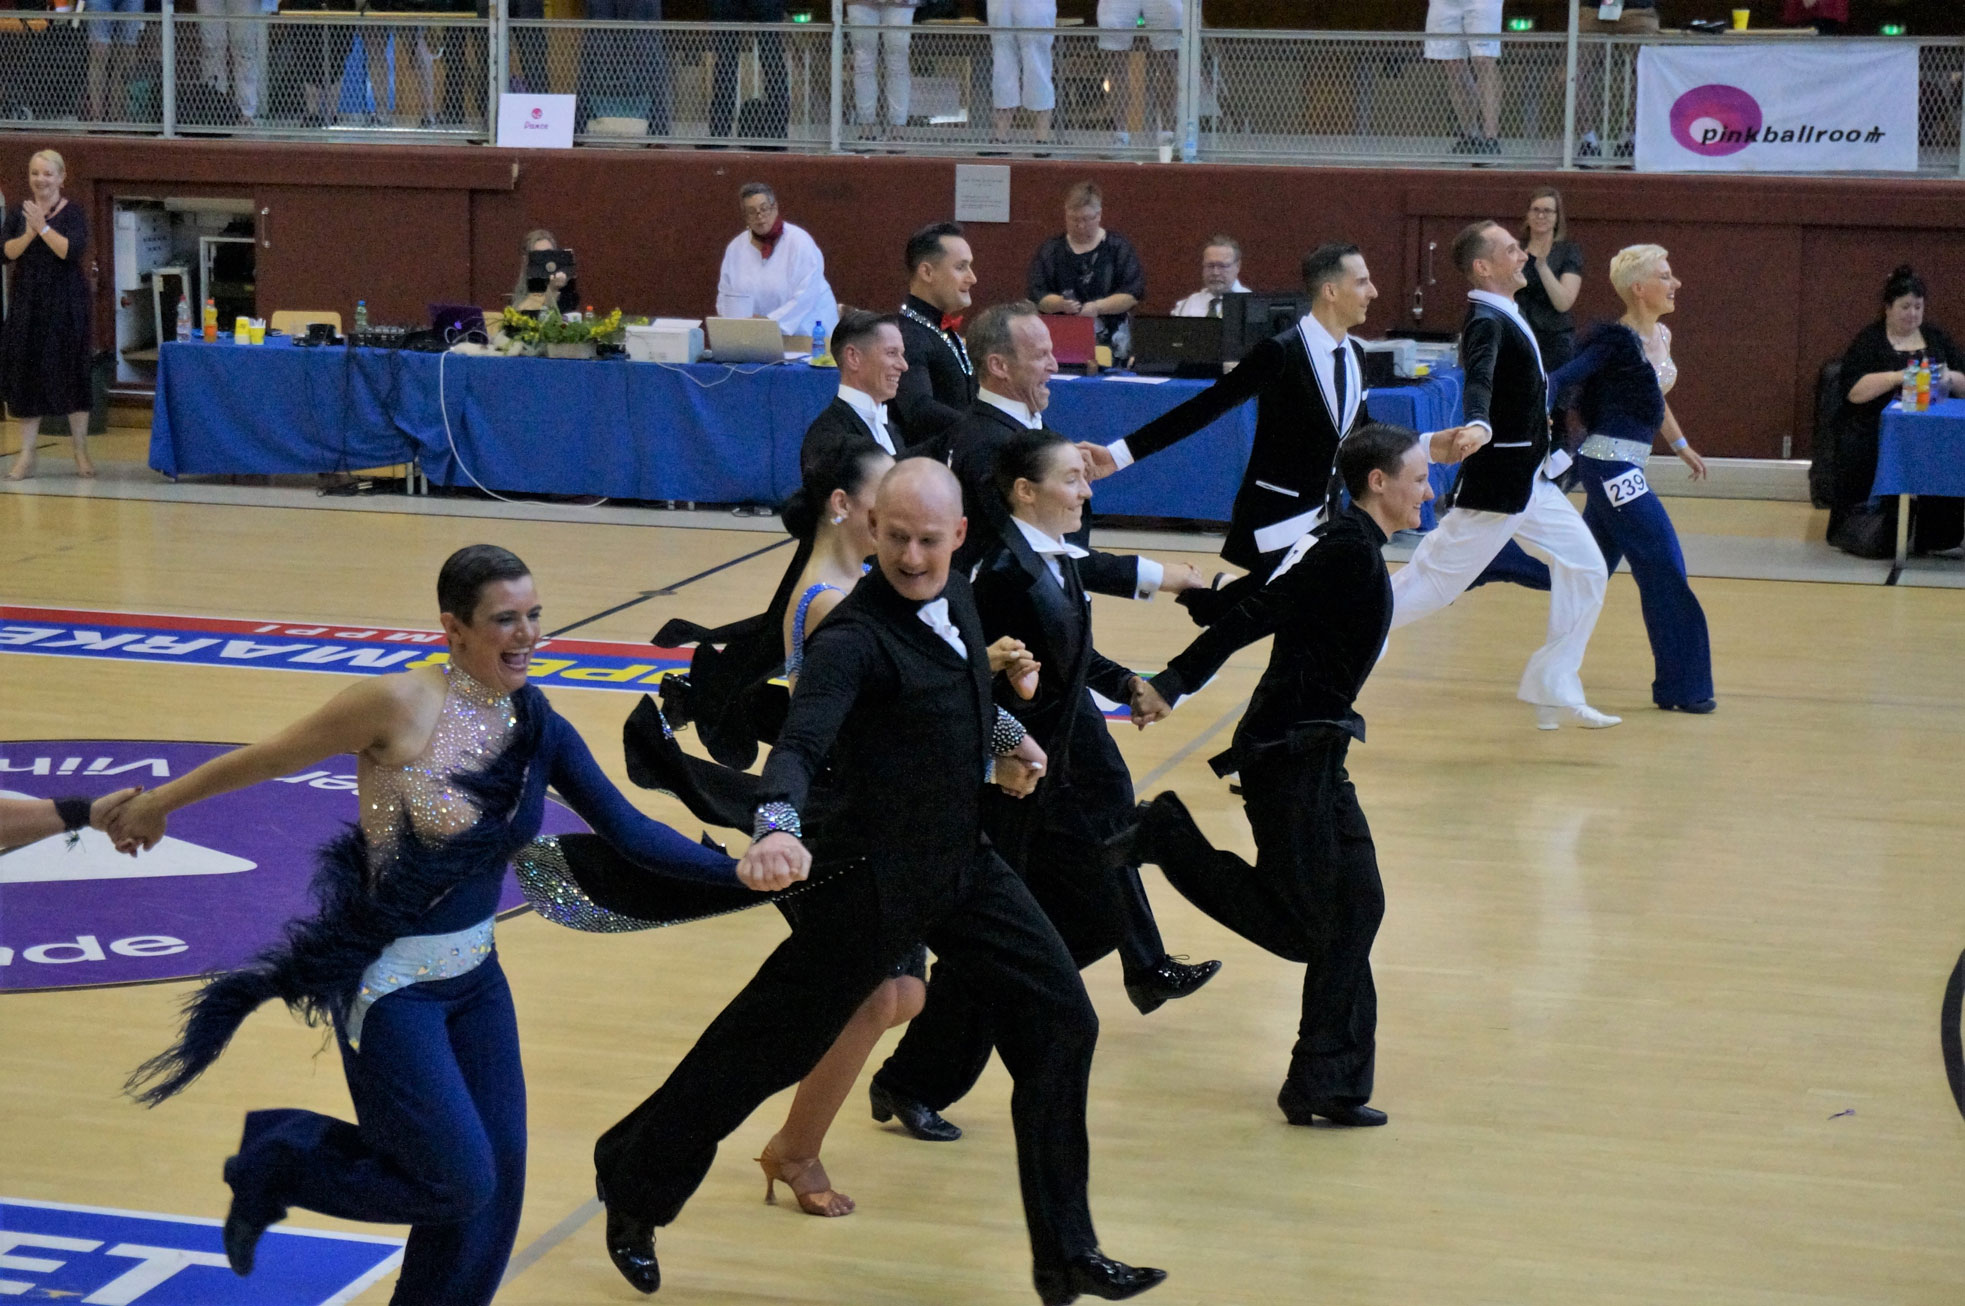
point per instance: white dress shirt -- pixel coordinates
(1558, 460)
(1016, 408)
(1048, 549)
(1323, 348)
(874, 414)
(934, 615)
(1201, 302)
(790, 287)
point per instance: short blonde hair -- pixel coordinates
(1084, 195)
(61, 168)
(1632, 263)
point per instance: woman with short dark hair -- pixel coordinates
(452, 766)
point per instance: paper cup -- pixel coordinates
(1740, 17)
(259, 333)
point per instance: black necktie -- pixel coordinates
(1337, 381)
(1214, 306)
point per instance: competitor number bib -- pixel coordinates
(1627, 488)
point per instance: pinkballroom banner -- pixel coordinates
(1792, 106)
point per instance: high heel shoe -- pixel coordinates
(808, 1183)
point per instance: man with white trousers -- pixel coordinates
(1505, 490)
(877, 28)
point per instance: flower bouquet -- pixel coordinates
(556, 337)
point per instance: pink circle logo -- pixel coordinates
(1716, 120)
(538, 112)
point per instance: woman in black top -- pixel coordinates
(1555, 276)
(1089, 271)
(44, 347)
(1873, 375)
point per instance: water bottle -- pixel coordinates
(183, 319)
(820, 350)
(1908, 397)
(361, 316)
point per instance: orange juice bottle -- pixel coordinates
(211, 321)
(1923, 384)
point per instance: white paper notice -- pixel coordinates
(982, 192)
(536, 122)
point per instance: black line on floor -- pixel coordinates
(668, 589)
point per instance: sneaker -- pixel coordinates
(1553, 718)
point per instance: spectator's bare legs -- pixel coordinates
(822, 1092)
(1460, 94)
(78, 432)
(30, 436)
(1487, 78)
(109, 65)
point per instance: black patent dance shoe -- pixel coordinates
(675, 691)
(654, 759)
(1168, 980)
(254, 1209)
(923, 1122)
(1299, 1108)
(1095, 1275)
(631, 1246)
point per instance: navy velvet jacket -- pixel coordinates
(1616, 388)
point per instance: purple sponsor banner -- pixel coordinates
(229, 873)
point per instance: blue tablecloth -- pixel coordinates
(702, 433)
(1922, 453)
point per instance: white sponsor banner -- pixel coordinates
(538, 122)
(1791, 107)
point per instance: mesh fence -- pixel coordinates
(1356, 98)
(82, 71)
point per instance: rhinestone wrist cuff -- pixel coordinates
(776, 818)
(1006, 734)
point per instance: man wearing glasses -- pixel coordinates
(1221, 274)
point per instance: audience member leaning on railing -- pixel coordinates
(1872, 375)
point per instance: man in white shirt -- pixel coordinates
(1221, 274)
(774, 269)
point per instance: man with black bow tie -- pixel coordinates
(867, 347)
(891, 736)
(1506, 490)
(1308, 387)
(1014, 365)
(940, 382)
(1313, 895)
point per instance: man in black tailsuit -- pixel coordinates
(872, 364)
(1313, 895)
(881, 764)
(941, 381)
(1060, 840)
(1308, 387)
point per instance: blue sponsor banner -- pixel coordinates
(52, 1251)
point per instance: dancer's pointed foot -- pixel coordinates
(924, 1122)
(254, 1209)
(1554, 718)
(631, 1246)
(807, 1180)
(1170, 979)
(1095, 1275)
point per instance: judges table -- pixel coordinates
(1919, 453)
(700, 433)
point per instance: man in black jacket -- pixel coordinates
(1015, 364)
(941, 380)
(1313, 895)
(1060, 841)
(881, 765)
(1506, 489)
(1308, 387)
(872, 364)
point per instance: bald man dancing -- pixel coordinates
(895, 696)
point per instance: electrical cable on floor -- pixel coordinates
(443, 408)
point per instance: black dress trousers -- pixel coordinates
(1313, 896)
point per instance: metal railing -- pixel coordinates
(1349, 98)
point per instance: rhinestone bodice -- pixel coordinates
(473, 727)
(1658, 350)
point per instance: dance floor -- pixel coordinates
(1658, 1005)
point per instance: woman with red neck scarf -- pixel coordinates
(775, 270)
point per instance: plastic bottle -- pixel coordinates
(183, 318)
(211, 321)
(820, 350)
(361, 315)
(1908, 396)
(1923, 384)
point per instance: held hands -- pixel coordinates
(1009, 656)
(1018, 772)
(137, 823)
(1457, 442)
(1099, 462)
(773, 862)
(1179, 576)
(104, 808)
(1148, 705)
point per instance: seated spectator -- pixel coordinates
(774, 269)
(1473, 77)
(1221, 274)
(867, 347)
(530, 294)
(1873, 375)
(1827, 17)
(1118, 22)
(1020, 64)
(1089, 271)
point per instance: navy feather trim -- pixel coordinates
(316, 970)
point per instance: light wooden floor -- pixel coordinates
(1626, 978)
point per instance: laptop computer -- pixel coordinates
(455, 322)
(1073, 339)
(743, 340)
(1177, 346)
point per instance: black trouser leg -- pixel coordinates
(768, 1038)
(1040, 1020)
(1140, 945)
(944, 1050)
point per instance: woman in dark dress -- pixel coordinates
(1872, 377)
(44, 346)
(1089, 271)
(1555, 277)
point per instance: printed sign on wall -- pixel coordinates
(1739, 108)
